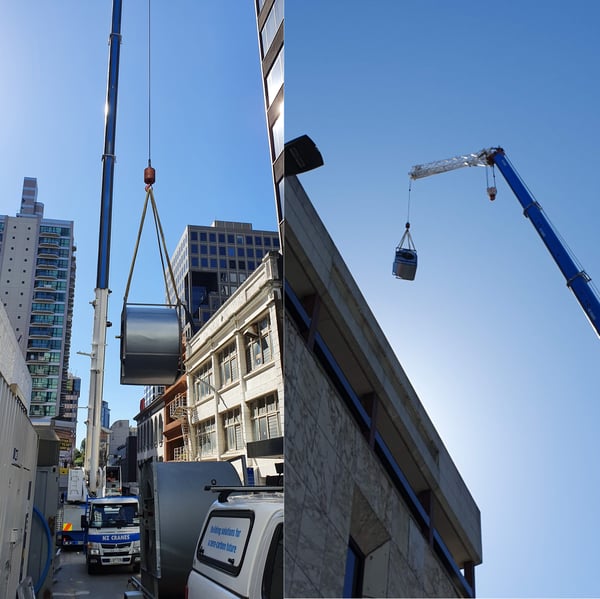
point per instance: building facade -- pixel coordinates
(210, 263)
(150, 423)
(234, 408)
(375, 507)
(122, 451)
(37, 270)
(19, 451)
(270, 24)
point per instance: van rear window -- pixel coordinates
(225, 538)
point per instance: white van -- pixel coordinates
(240, 549)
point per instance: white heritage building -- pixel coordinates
(235, 382)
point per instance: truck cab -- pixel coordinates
(240, 549)
(112, 533)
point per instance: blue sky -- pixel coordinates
(494, 343)
(209, 140)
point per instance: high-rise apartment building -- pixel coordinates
(37, 274)
(69, 402)
(210, 263)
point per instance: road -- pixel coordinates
(72, 580)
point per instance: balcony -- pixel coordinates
(48, 242)
(44, 273)
(47, 262)
(39, 332)
(175, 406)
(43, 297)
(47, 253)
(180, 454)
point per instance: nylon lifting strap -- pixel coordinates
(160, 238)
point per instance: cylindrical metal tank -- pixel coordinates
(150, 344)
(174, 503)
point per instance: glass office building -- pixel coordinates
(210, 263)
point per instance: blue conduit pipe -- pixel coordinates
(40, 582)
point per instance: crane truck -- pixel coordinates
(110, 522)
(576, 278)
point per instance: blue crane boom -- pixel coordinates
(100, 303)
(576, 278)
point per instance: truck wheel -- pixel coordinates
(136, 567)
(91, 568)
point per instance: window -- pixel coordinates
(204, 381)
(275, 78)
(277, 132)
(272, 583)
(355, 563)
(220, 549)
(228, 364)
(259, 345)
(265, 418)
(207, 439)
(271, 25)
(233, 430)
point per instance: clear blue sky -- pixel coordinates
(495, 345)
(209, 140)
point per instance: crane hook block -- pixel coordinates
(492, 193)
(149, 175)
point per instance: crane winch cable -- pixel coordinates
(149, 88)
(149, 180)
(406, 238)
(149, 172)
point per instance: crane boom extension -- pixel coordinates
(577, 280)
(450, 164)
(100, 303)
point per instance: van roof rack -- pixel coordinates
(225, 492)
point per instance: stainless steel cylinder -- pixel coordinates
(150, 345)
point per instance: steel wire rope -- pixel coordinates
(407, 236)
(160, 237)
(149, 89)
